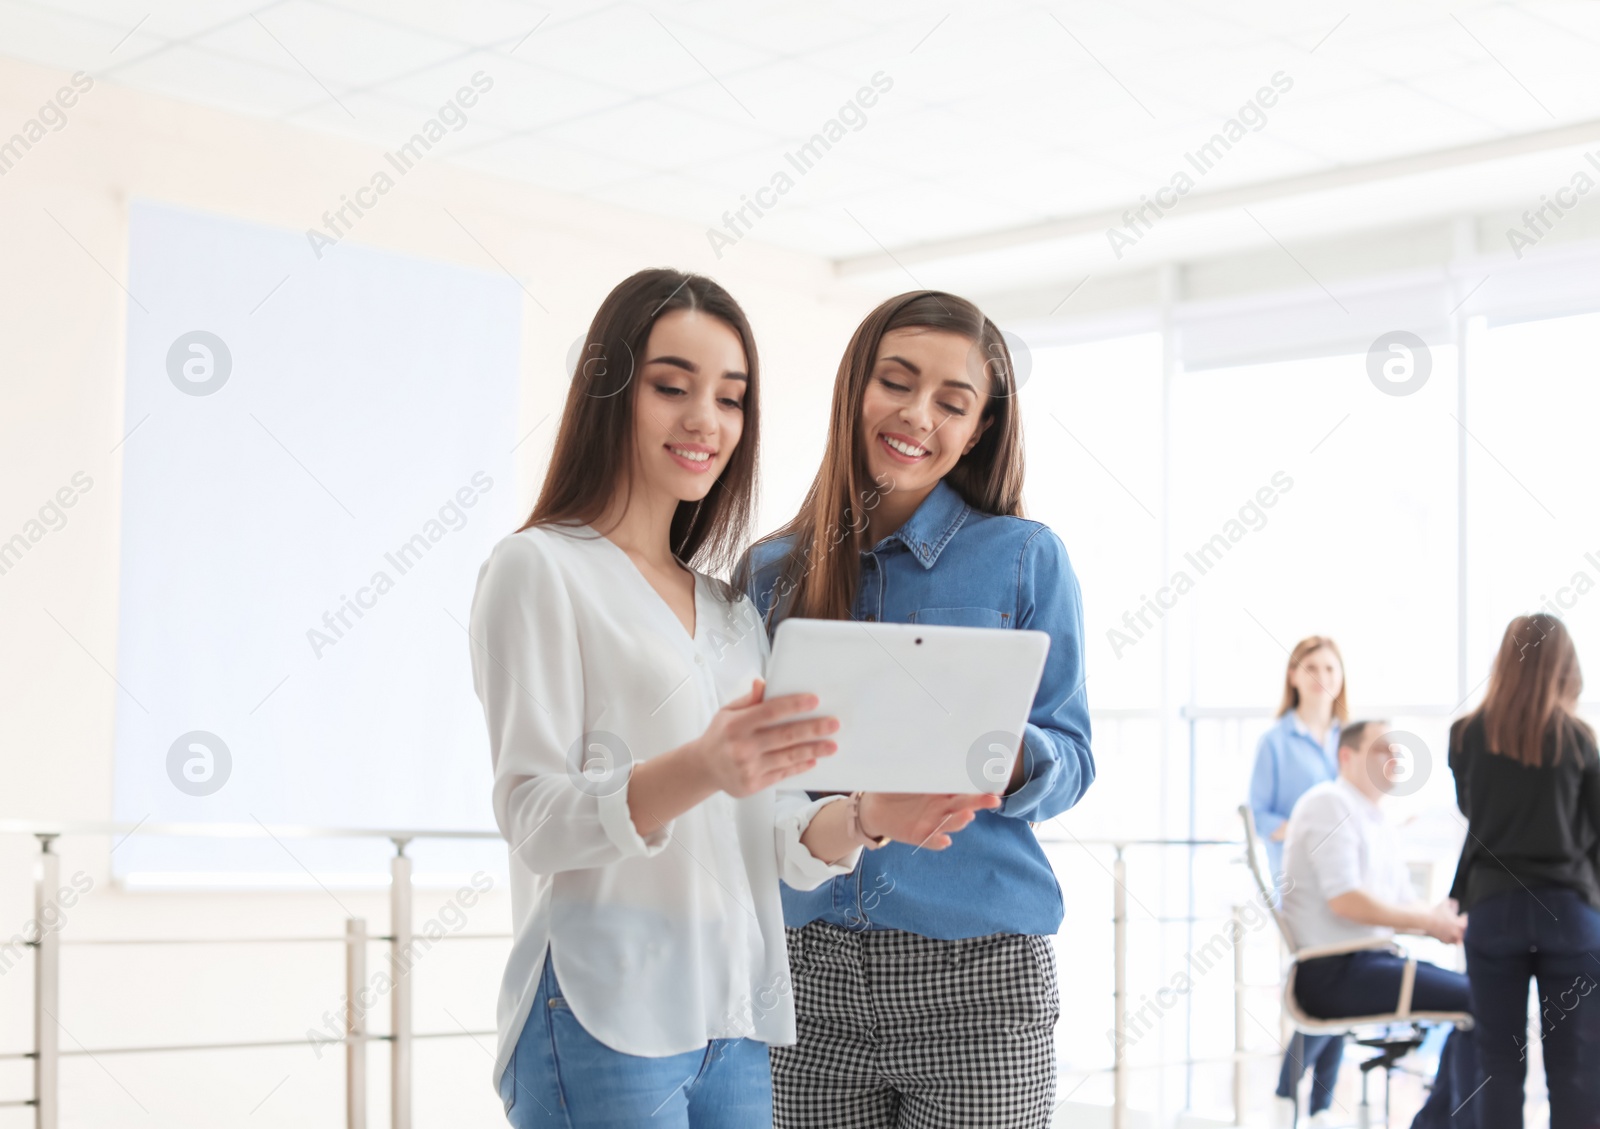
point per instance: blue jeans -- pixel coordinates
(1554, 935)
(562, 1077)
(1323, 1053)
(1368, 983)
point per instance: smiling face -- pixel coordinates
(688, 404)
(922, 409)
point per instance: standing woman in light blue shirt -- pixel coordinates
(925, 983)
(1299, 752)
(1302, 749)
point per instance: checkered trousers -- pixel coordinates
(899, 1031)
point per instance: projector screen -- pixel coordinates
(317, 458)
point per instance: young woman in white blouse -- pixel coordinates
(634, 755)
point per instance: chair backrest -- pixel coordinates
(1255, 856)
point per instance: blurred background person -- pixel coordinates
(1345, 880)
(1299, 752)
(1528, 781)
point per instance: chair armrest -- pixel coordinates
(1343, 948)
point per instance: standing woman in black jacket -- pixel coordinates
(1528, 781)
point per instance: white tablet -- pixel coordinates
(921, 708)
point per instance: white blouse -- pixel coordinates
(664, 941)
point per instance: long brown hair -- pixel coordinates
(1533, 687)
(594, 445)
(1291, 696)
(824, 566)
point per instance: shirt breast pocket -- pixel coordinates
(962, 617)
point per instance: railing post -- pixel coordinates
(355, 1024)
(46, 992)
(1119, 928)
(1238, 1015)
(400, 955)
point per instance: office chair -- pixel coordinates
(1390, 1048)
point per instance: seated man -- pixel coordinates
(1346, 881)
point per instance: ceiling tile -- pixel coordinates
(480, 23)
(391, 123)
(790, 30)
(1378, 123)
(687, 198)
(561, 168)
(194, 75)
(631, 49)
(69, 41)
(172, 19)
(522, 96)
(337, 49)
(816, 231)
(656, 135)
(917, 212)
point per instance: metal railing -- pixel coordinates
(1121, 1070)
(47, 1052)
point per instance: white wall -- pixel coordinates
(63, 231)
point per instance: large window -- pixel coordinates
(1093, 430)
(1305, 497)
(1533, 528)
(1310, 502)
(1093, 433)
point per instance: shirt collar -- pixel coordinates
(1298, 726)
(928, 530)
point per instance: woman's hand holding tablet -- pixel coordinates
(749, 746)
(925, 821)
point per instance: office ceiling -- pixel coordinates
(997, 116)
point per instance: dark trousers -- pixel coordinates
(1322, 1053)
(1553, 935)
(1368, 983)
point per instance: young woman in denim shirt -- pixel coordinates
(924, 983)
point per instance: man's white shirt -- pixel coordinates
(1339, 841)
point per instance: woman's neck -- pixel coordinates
(1317, 717)
(640, 523)
(893, 510)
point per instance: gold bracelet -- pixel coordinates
(871, 843)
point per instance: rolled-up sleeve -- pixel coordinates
(1058, 763)
(797, 866)
(528, 673)
(1325, 830)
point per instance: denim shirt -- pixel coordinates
(952, 564)
(1289, 761)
